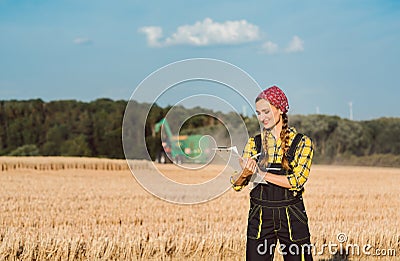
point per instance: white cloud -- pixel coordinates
(270, 47)
(205, 33)
(296, 45)
(208, 32)
(82, 41)
(153, 34)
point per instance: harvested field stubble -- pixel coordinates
(61, 163)
(100, 212)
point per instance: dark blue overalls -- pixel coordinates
(277, 213)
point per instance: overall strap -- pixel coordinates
(292, 150)
(257, 141)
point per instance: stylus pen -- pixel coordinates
(255, 156)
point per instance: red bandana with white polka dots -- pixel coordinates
(276, 97)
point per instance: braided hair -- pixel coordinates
(285, 141)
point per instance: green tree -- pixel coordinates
(26, 150)
(77, 146)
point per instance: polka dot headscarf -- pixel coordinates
(276, 97)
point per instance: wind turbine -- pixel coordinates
(351, 110)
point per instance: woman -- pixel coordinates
(277, 210)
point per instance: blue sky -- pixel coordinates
(324, 54)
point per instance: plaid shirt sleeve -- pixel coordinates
(250, 148)
(301, 164)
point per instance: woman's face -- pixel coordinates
(267, 114)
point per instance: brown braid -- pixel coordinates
(264, 161)
(285, 141)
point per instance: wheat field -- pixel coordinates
(93, 209)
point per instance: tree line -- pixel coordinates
(93, 129)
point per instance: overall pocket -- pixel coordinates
(253, 210)
(297, 222)
(254, 221)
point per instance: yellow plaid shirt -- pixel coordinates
(301, 163)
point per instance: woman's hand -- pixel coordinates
(249, 167)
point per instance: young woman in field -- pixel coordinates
(276, 205)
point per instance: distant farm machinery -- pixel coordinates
(182, 148)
